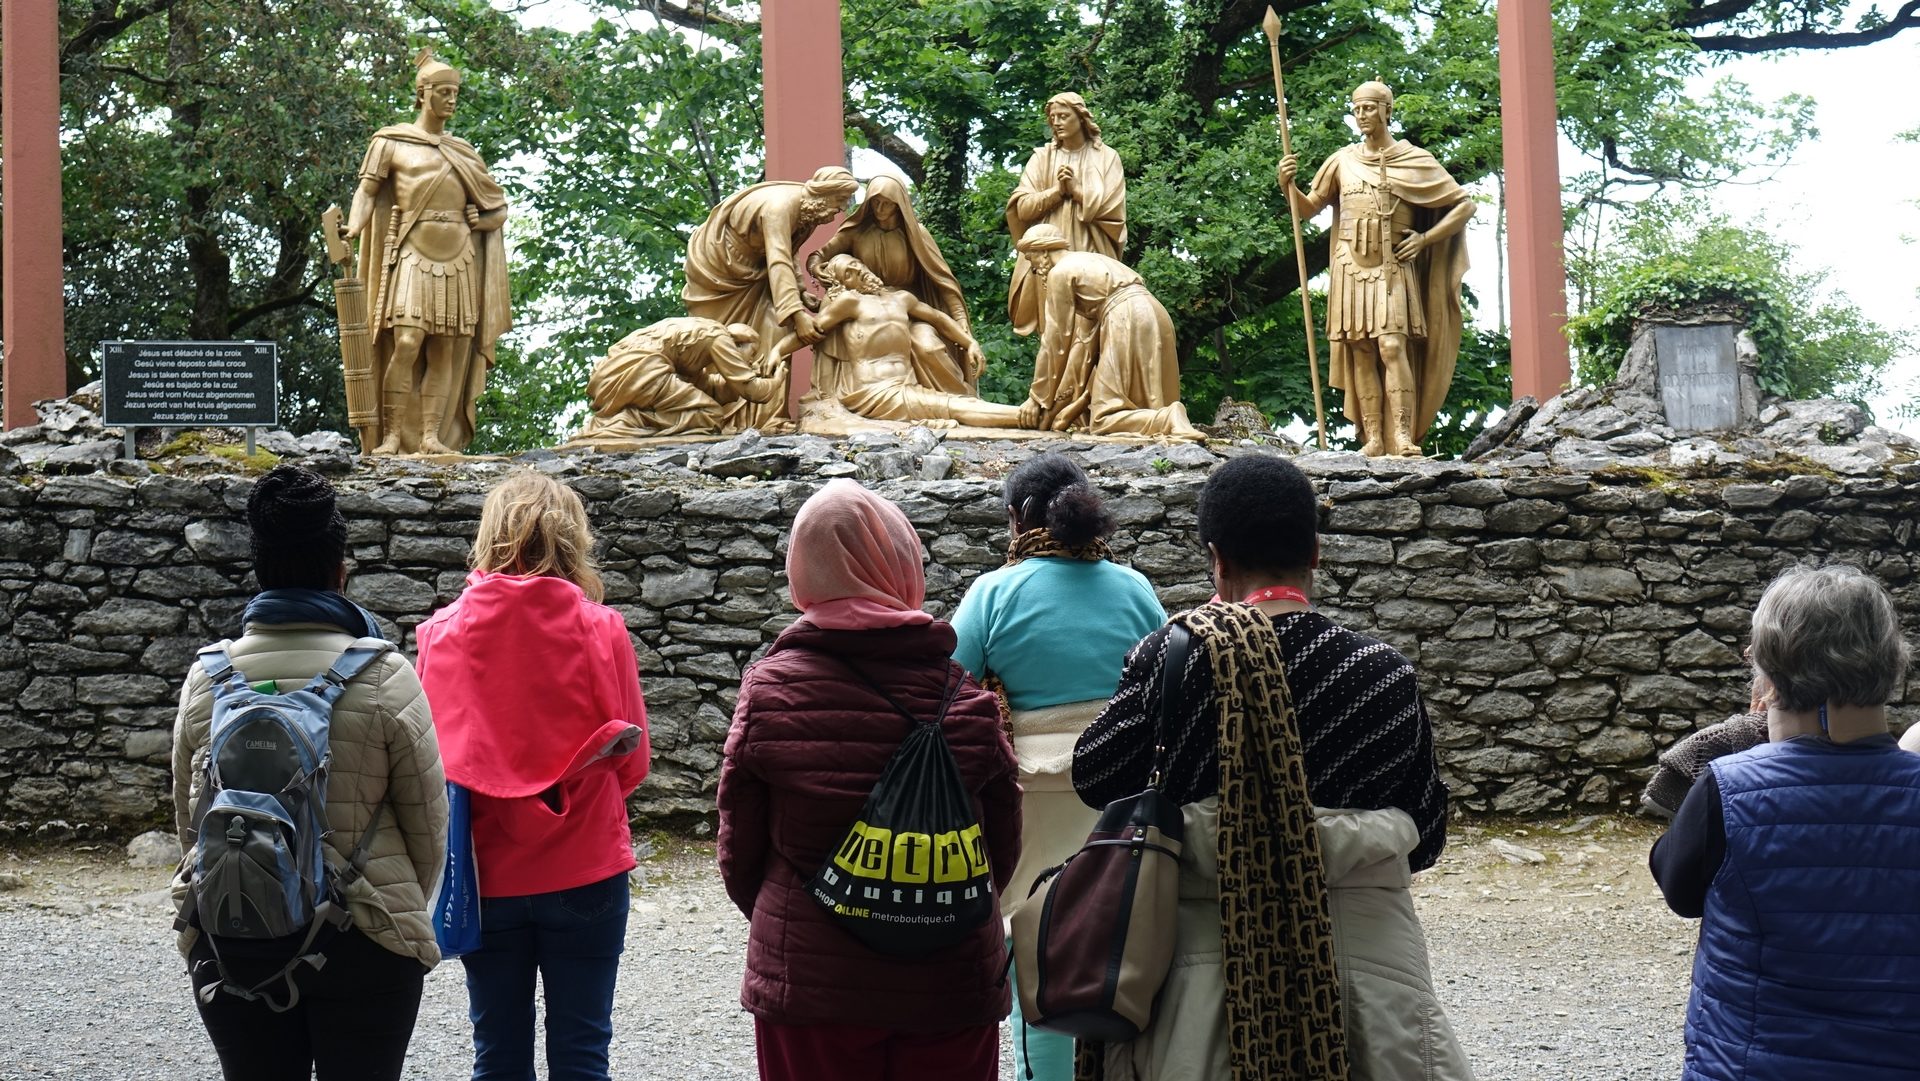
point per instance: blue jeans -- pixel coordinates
(573, 939)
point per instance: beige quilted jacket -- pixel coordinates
(382, 744)
(1396, 1029)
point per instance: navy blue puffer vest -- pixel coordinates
(1809, 960)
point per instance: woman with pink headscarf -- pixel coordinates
(811, 732)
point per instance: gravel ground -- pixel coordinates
(1571, 968)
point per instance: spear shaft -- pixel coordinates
(1272, 26)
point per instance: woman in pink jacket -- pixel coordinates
(536, 700)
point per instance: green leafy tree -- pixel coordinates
(1667, 256)
(201, 140)
(653, 128)
(200, 144)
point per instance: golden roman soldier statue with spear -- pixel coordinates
(428, 217)
(1393, 302)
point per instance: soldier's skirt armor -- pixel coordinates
(433, 277)
(1372, 298)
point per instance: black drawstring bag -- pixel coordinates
(911, 875)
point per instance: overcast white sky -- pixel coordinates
(1846, 200)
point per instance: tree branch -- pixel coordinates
(698, 15)
(1265, 78)
(105, 24)
(1610, 153)
(1239, 16)
(891, 146)
(1907, 18)
(164, 84)
(267, 307)
(1708, 12)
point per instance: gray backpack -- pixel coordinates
(258, 867)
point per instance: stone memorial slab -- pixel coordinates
(1699, 376)
(190, 384)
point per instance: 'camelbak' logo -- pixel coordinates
(262, 745)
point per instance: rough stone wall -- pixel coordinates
(1566, 626)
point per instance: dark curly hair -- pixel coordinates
(1261, 513)
(1049, 490)
(299, 537)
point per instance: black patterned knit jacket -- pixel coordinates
(1367, 738)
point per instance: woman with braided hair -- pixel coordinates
(1049, 630)
(1304, 761)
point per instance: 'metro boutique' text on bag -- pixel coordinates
(911, 876)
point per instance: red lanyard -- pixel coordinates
(1277, 593)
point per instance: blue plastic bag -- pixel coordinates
(456, 913)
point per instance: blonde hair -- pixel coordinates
(532, 524)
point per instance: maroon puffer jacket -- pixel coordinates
(809, 740)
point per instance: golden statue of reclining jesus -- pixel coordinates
(866, 361)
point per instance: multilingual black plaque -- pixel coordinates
(191, 384)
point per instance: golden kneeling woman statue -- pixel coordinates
(683, 376)
(1107, 361)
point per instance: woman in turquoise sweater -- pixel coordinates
(1050, 631)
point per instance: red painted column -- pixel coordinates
(1536, 268)
(35, 319)
(806, 123)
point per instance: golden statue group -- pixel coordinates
(893, 344)
(891, 336)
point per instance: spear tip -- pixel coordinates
(1271, 24)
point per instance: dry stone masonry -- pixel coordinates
(1567, 623)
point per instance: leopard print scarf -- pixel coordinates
(1036, 544)
(1282, 993)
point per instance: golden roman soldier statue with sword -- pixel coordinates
(428, 218)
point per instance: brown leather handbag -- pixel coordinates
(1093, 945)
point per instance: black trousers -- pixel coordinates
(353, 1021)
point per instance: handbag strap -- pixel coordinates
(948, 692)
(1173, 678)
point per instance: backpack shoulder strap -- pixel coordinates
(218, 665)
(356, 867)
(353, 660)
(948, 692)
(1173, 672)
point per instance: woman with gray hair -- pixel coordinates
(1799, 855)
